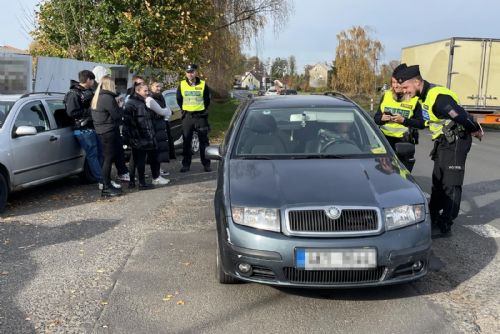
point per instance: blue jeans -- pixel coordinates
(93, 151)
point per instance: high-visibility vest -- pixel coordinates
(435, 124)
(192, 96)
(404, 108)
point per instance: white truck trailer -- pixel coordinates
(468, 66)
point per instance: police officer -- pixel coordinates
(399, 116)
(452, 129)
(193, 96)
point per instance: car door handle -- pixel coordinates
(53, 138)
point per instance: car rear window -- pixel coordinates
(5, 107)
(296, 132)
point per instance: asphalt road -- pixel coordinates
(144, 263)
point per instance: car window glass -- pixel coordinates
(171, 101)
(315, 131)
(5, 107)
(33, 114)
(58, 109)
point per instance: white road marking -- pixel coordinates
(486, 230)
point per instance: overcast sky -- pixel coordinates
(310, 34)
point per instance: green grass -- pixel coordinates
(219, 116)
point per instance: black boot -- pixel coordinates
(110, 191)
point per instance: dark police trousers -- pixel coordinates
(194, 121)
(448, 177)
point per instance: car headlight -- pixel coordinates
(261, 218)
(404, 215)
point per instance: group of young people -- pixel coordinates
(102, 126)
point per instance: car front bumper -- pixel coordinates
(272, 257)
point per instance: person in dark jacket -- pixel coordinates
(139, 130)
(77, 101)
(107, 117)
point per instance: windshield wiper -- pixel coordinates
(255, 157)
(320, 156)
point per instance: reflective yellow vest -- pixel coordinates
(435, 124)
(192, 96)
(405, 109)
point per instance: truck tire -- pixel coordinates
(4, 192)
(220, 275)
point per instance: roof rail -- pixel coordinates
(42, 93)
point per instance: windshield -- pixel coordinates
(5, 107)
(307, 133)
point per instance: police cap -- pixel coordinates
(408, 73)
(398, 69)
(191, 68)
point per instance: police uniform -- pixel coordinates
(194, 99)
(451, 127)
(410, 110)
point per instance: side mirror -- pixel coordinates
(25, 130)
(405, 151)
(212, 152)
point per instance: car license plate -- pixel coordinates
(314, 259)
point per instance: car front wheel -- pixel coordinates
(195, 143)
(4, 192)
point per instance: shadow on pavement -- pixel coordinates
(17, 268)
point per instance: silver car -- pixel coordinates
(36, 143)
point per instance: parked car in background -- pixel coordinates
(176, 122)
(36, 143)
(271, 91)
(288, 92)
(310, 194)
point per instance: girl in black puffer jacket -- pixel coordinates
(140, 134)
(107, 116)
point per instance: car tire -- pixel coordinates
(220, 275)
(86, 176)
(195, 143)
(4, 192)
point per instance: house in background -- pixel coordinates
(318, 75)
(13, 50)
(251, 80)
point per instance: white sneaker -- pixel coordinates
(116, 185)
(160, 181)
(124, 177)
(113, 183)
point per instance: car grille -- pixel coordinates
(350, 220)
(295, 275)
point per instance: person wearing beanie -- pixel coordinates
(399, 116)
(452, 130)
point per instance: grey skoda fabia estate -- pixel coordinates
(310, 194)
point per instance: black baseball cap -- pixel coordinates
(191, 68)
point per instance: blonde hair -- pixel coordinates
(107, 84)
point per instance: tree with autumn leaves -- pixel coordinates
(356, 61)
(155, 35)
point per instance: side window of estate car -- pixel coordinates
(58, 109)
(33, 114)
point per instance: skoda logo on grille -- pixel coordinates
(333, 212)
